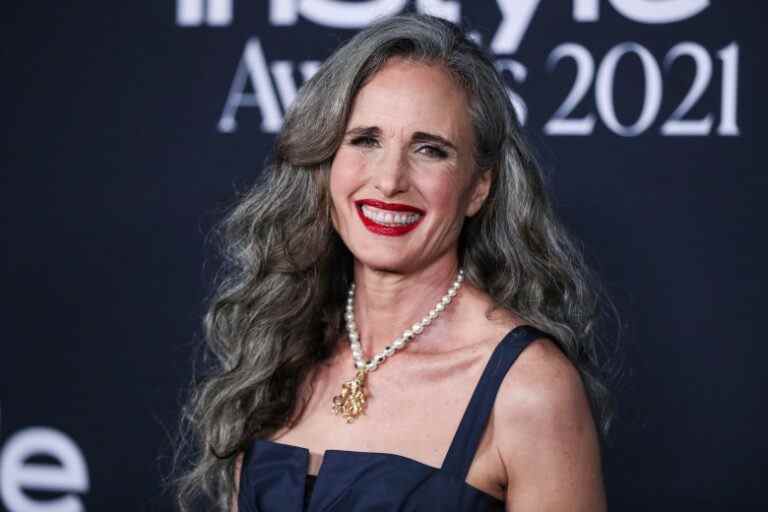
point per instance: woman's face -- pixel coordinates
(403, 179)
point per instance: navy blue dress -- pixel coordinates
(273, 476)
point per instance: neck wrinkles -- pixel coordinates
(387, 303)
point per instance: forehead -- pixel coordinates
(413, 96)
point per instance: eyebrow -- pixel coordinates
(434, 138)
(364, 131)
(370, 131)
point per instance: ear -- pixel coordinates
(480, 190)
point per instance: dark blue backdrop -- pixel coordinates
(129, 126)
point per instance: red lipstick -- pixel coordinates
(382, 229)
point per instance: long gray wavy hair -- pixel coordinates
(278, 307)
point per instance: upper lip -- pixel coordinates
(395, 207)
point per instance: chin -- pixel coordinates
(383, 260)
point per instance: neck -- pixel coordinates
(387, 303)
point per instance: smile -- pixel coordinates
(389, 219)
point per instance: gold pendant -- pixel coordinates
(351, 402)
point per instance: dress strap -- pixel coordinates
(467, 438)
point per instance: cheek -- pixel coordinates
(343, 181)
(345, 173)
(447, 196)
(335, 199)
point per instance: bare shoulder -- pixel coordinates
(545, 434)
(542, 385)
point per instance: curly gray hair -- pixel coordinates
(278, 307)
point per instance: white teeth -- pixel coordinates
(389, 218)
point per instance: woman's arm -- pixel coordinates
(546, 435)
(238, 466)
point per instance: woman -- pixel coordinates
(395, 261)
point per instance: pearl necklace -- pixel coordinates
(351, 402)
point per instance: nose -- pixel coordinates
(391, 174)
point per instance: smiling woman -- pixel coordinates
(409, 138)
(403, 229)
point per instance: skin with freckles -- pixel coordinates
(409, 141)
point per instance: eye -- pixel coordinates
(364, 141)
(433, 152)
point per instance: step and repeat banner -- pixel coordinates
(131, 126)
